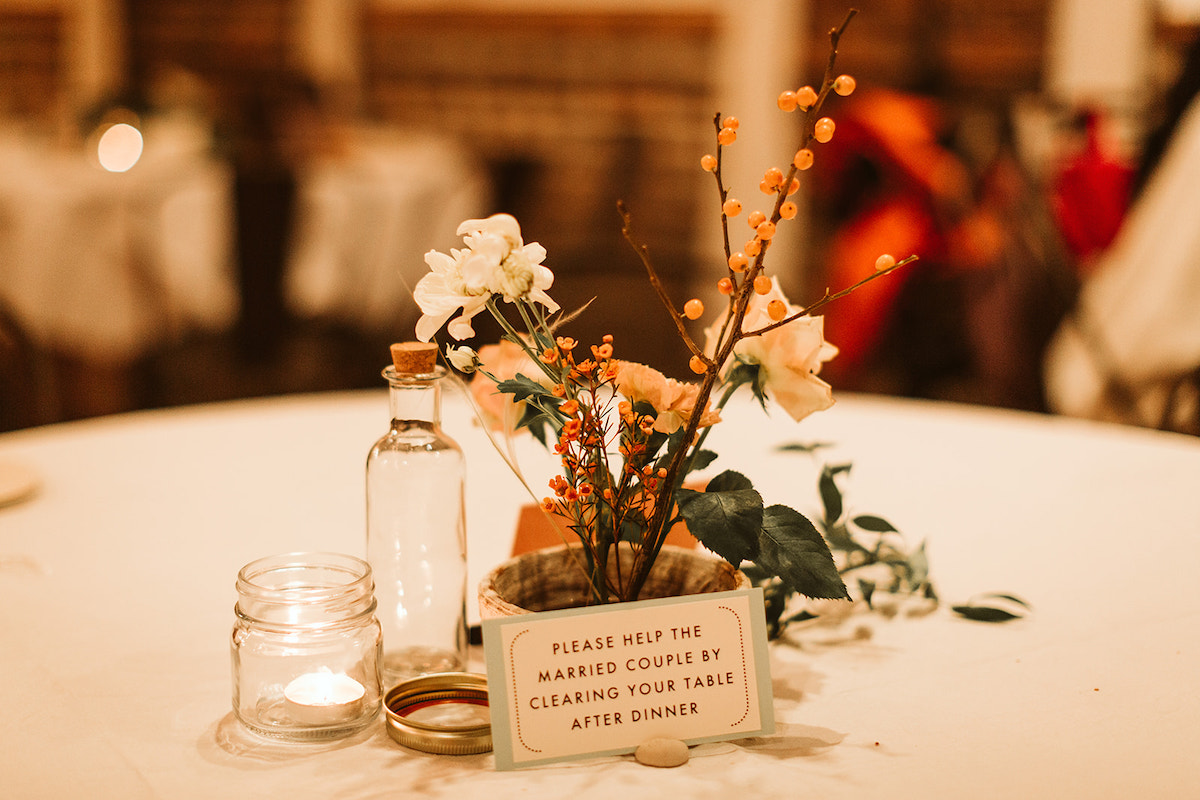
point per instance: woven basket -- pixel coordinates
(549, 579)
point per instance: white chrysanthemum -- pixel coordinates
(496, 261)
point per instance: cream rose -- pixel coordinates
(789, 356)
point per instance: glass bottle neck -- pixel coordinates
(415, 398)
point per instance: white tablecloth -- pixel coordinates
(366, 219)
(116, 584)
(109, 266)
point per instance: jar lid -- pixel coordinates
(446, 713)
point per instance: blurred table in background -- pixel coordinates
(105, 266)
(365, 220)
(106, 277)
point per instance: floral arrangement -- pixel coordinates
(628, 436)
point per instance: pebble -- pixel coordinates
(662, 753)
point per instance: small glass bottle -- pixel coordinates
(416, 534)
(306, 647)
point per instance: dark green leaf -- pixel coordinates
(831, 496)
(522, 388)
(747, 372)
(729, 480)
(700, 460)
(774, 602)
(870, 522)
(984, 613)
(799, 447)
(537, 419)
(792, 548)
(726, 518)
(868, 590)
(756, 574)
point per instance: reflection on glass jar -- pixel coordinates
(306, 647)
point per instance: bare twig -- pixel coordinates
(828, 298)
(644, 254)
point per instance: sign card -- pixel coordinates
(602, 680)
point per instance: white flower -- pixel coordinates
(789, 356)
(495, 261)
(463, 359)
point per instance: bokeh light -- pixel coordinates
(120, 147)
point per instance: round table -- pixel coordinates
(117, 584)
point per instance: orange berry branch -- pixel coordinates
(745, 273)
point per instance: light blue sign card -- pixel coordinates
(602, 680)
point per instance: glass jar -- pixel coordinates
(306, 646)
(416, 535)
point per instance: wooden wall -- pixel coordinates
(31, 62)
(571, 111)
(959, 49)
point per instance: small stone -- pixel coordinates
(662, 753)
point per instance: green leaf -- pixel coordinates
(538, 419)
(728, 481)
(984, 613)
(800, 447)
(700, 460)
(867, 588)
(980, 611)
(918, 566)
(831, 495)
(522, 388)
(756, 574)
(744, 372)
(791, 547)
(870, 522)
(726, 518)
(775, 596)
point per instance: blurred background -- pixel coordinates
(203, 200)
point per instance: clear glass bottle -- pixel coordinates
(306, 647)
(416, 534)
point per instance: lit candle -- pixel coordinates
(323, 698)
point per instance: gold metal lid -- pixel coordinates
(445, 713)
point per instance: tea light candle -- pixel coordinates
(323, 698)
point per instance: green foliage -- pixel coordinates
(726, 518)
(791, 548)
(858, 543)
(854, 544)
(540, 404)
(993, 607)
(747, 372)
(729, 519)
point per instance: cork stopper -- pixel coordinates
(414, 358)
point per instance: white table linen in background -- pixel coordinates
(367, 217)
(108, 266)
(117, 590)
(1138, 315)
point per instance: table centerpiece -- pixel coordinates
(629, 436)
